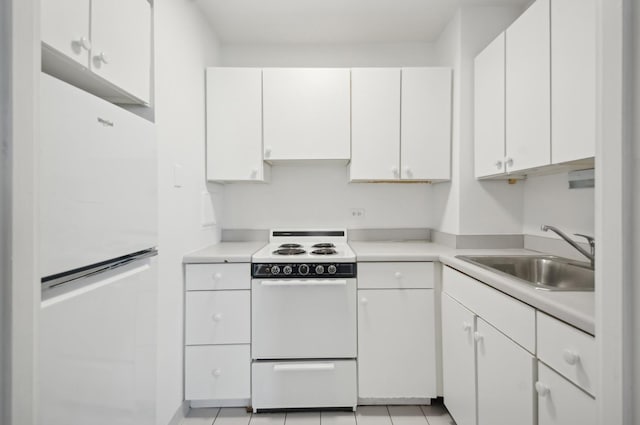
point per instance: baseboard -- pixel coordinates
(197, 404)
(180, 414)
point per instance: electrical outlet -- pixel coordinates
(357, 212)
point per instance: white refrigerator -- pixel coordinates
(98, 227)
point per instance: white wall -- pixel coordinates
(332, 55)
(320, 195)
(184, 46)
(465, 205)
(548, 200)
(307, 195)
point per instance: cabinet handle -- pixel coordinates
(571, 357)
(254, 174)
(267, 152)
(408, 171)
(217, 317)
(498, 164)
(364, 300)
(216, 372)
(398, 275)
(217, 276)
(102, 57)
(509, 162)
(83, 42)
(478, 336)
(542, 389)
(466, 326)
(394, 170)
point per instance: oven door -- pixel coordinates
(303, 318)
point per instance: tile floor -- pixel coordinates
(435, 414)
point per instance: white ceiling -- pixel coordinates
(333, 21)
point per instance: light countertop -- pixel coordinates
(575, 308)
(224, 252)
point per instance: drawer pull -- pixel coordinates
(466, 326)
(216, 372)
(217, 276)
(542, 389)
(571, 357)
(303, 367)
(364, 301)
(478, 336)
(217, 317)
(398, 275)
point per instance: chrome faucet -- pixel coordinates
(592, 242)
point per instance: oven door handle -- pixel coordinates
(309, 282)
(303, 367)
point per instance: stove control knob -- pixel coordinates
(287, 269)
(275, 269)
(303, 269)
(319, 269)
(332, 269)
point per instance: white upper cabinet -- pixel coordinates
(489, 109)
(528, 97)
(121, 44)
(234, 124)
(375, 124)
(573, 79)
(110, 39)
(400, 124)
(65, 28)
(306, 114)
(425, 141)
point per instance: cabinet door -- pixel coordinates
(375, 124)
(425, 141)
(65, 28)
(560, 402)
(505, 374)
(306, 113)
(234, 124)
(489, 109)
(396, 343)
(528, 97)
(121, 44)
(458, 361)
(217, 317)
(573, 79)
(217, 372)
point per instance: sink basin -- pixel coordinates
(545, 272)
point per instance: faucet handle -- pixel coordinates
(590, 240)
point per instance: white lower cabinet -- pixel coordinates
(560, 402)
(217, 353)
(505, 373)
(490, 364)
(458, 361)
(217, 372)
(396, 339)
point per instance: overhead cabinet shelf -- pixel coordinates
(392, 124)
(535, 99)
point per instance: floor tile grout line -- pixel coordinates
(216, 416)
(425, 415)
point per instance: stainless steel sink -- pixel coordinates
(545, 272)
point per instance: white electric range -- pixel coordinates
(303, 321)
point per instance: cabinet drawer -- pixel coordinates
(215, 372)
(513, 318)
(395, 275)
(330, 383)
(568, 350)
(560, 402)
(217, 317)
(218, 276)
